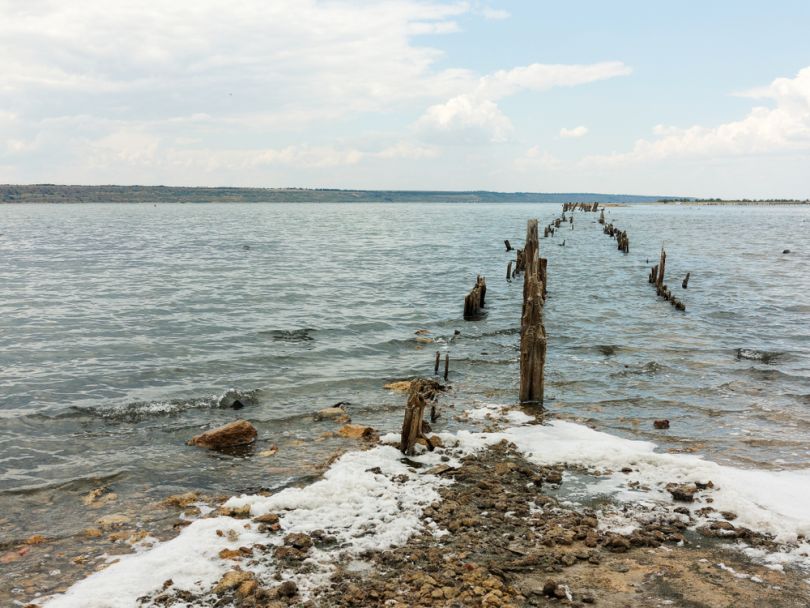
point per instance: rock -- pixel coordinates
(271, 451)
(98, 497)
(403, 386)
(617, 543)
(287, 589)
(549, 588)
(422, 332)
(786, 251)
(661, 424)
(239, 432)
(180, 501)
(239, 512)
(267, 518)
(111, 521)
(36, 539)
(247, 588)
(683, 492)
(329, 413)
(231, 580)
(92, 533)
(357, 431)
(299, 540)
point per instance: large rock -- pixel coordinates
(233, 434)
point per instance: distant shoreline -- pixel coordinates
(51, 193)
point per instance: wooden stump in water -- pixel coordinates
(474, 301)
(446, 366)
(509, 271)
(508, 246)
(532, 332)
(412, 423)
(436, 365)
(686, 280)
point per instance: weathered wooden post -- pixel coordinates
(474, 301)
(446, 366)
(686, 280)
(436, 364)
(509, 271)
(532, 332)
(508, 246)
(412, 423)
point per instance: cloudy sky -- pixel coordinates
(695, 97)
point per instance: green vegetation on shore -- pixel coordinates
(51, 193)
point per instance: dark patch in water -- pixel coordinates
(650, 368)
(289, 335)
(607, 349)
(757, 355)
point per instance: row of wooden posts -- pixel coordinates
(656, 278)
(589, 207)
(533, 342)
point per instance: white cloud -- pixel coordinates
(408, 150)
(536, 158)
(542, 77)
(495, 14)
(781, 128)
(579, 131)
(465, 119)
(475, 115)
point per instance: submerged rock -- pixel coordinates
(357, 431)
(233, 434)
(661, 424)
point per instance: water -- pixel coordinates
(126, 329)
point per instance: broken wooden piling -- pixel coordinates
(656, 277)
(532, 331)
(474, 301)
(686, 280)
(509, 271)
(508, 245)
(436, 364)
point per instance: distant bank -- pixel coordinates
(50, 193)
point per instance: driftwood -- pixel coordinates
(532, 332)
(475, 300)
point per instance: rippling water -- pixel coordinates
(125, 329)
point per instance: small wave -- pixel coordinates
(758, 355)
(648, 369)
(140, 410)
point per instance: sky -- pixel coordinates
(705, 98)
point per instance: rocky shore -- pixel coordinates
(504, 534)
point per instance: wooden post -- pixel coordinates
(532, 332)
(436, 365)
(508, 246)
(661, 268)
(446, 366)
(509, 271)
(474, 301)
(686, 280)
(412, 423)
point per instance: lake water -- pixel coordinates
(126, 329)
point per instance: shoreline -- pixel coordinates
(486, 526)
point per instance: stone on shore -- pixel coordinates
(233, 434)
(683, 492)
(336, 413)
(357, 431)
